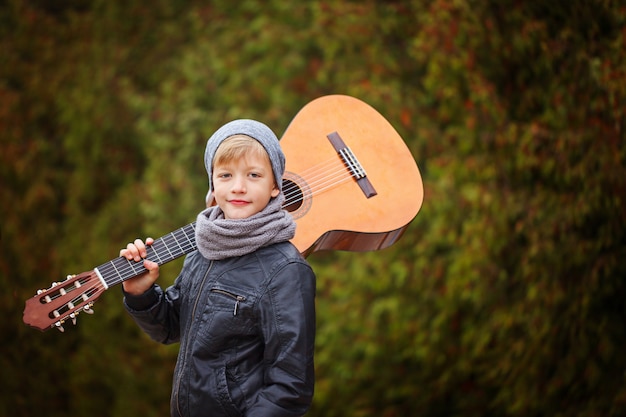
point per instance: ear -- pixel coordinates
(275, 192)
(209, 199)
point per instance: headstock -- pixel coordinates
(63, 301)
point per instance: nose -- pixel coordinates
(239, 185)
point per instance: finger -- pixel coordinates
(150, 265)
(149, 241)
(141, 248)
(131, 252)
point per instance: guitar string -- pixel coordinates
(175, 238)
(320, 180)
(312, 175)
(321, 187)
(128, 268)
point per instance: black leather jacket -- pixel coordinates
(246, 328)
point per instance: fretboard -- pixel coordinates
(164, 249)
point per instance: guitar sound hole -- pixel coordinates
(297, 193)
(293, 196)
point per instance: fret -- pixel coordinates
(193, 234)
(177, 242)
(165, 253)
(155, 249)
(120, 269)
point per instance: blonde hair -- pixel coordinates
(238, 146)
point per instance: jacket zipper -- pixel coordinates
(193, 314)
(237, 298)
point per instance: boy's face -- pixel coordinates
(244, 186)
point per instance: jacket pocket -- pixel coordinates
(236, 298)
(224, 395)
(227, 319)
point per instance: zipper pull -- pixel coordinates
(239, 298)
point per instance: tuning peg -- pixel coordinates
(73, 317)
(59, 326)
(87, 309)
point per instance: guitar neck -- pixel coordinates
(164, 249)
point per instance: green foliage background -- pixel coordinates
(505, 297)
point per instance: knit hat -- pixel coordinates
(255, 130)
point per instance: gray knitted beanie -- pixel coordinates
(256, 130)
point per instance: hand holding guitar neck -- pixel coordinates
(137, 251)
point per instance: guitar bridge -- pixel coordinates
(352, 164)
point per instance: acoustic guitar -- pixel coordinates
(350, 184)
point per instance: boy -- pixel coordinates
(242, 307)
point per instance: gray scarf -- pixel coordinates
(220, 238)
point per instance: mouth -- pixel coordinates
(238, 202)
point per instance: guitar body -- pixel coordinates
(350, 184)
(335, 212)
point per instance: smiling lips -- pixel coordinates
(238, 202)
